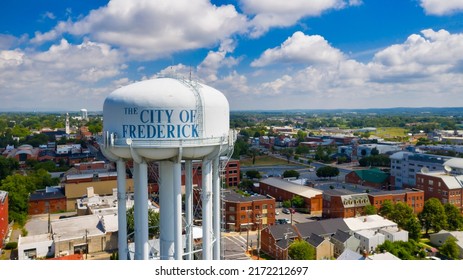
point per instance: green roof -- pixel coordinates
(373, 175)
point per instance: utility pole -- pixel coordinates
(86, 243)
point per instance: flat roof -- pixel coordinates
(233, 196)
(303, 191)
(451, 181)
(368, 222)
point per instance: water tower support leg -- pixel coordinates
(189, 208)
(121, 210)
(166, 201)
(216, 206)
(177, 194)
(137, 211)
(144, 210)
(207, 208)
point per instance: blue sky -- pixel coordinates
(262, 54)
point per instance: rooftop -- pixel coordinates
(373, 175)
(3, 195)
(302, 191)
(368, 222)
(236, 197)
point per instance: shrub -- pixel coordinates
(11, 246)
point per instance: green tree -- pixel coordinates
(7, 166)
(327, 171)
(413, 226)
(287, 204)
(290, 173)
(374, 152)
(450, 248)
(153, 222)
(401, 213)
(370, 210)
(386, 209)
(253, 174)
(433, 215)
(298, 202)
(301, 250)
(287, 153)
(454, 217)
(18, 188)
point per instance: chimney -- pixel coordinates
(90, 192)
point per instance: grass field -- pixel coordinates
(264, 160)
(390, 132)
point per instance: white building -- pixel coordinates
(394, 234)
(35, 247)
(364, 150)
(369, 239)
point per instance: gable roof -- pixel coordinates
(349, 255)
(341, 236)
(322, 228)
(279, 231)
(303, 191)
(315, 240)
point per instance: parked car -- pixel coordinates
(286, 211)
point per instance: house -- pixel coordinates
(323, 247)
(438, 239)
(372, 177)
(35, 247)
(247, 212)
(344, 241)
(350, 255)
(394, 234)
(382, 257)
(369, 239)
(275, 240)
(283, 190)
(370, 222)
(324, 228)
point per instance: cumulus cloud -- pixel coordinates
(153, 29)
(300, 48)
(425, 69)
(207, 70)
(63, 75)
(281, 13)
(440, 7)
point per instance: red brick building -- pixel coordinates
(3, 217)
(247, 212)
(447, 188)
(43, 202)
(369, 177)
(231, 173)
(283, 190)
(276, 239)
(413, 197)
(341, 203)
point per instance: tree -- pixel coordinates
(298, 202)
(454, 217)
(290, 173)
(253, 174)
(18, 188)
(7, 166)
(386, 209)
(450, 248)
(374, 152)
(253, 152)
(301, 250)
(409, 250)
(413, 227)
(401, 213)
(433, 215)
(327, 171)
(370, 210)
(288, 153)
(153, 222)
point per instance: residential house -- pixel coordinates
(323, 247)
(275, 240)
(342, 241)
(438, 239)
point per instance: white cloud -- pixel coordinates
(65, 75)
(426, 69)
(208, 68)
(442, 7)
(281, 13)
(152, 29)
(48, 15)
(301, 48)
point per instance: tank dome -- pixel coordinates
(165, 113)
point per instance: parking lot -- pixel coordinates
(296, 217)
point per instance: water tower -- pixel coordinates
(169, 121)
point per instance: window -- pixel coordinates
(431, 182)
(243, 208)
(231, 208)
(257, 207)
(231, 217)
(264, 206)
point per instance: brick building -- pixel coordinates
(369, 177)
(231, 173)
(46, 201)
(283, 190)
(342, 203)
(3, 217)
(413, 197)
(445, 187)
(248, 212)
(276, 239)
